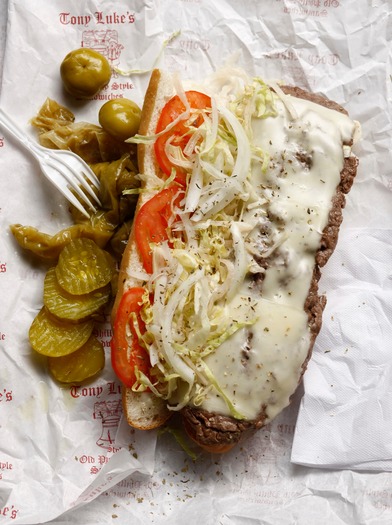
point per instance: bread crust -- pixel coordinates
(148, 111)
(213, 432)
(156, 413)
(149, 106)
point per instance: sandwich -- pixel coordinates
(243, 184)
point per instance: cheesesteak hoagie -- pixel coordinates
(218, 309)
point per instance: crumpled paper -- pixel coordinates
(66, 456)
(345, 415)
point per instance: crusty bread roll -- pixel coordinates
(291, 208)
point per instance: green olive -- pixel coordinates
(120, 118)
(84, 72)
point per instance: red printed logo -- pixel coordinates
(104, 42)
(99, 18)
(5, 395)
(5, 467)
(109, 412)
(9, 512)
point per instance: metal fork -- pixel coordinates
(66, 170)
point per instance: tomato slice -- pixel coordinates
(151, 222)
(173, 108)
(123, 363)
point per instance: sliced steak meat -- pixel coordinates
(213, 430)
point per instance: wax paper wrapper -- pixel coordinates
(66, 454)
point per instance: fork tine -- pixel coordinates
(71, 198)
(85, 184)
(82, 195)
(61, 167)
(72, 184)
(79, 176)
(82, 182)
(90, 175)
(86, 174)
(87, 171)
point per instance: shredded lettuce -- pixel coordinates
(137, 71)
(257, 101)
(181, 439)
(233, 411)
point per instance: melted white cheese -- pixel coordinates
(260, 365)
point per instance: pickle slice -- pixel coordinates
(83, 267)
(68, 306)
(80, 365)
(54, 338)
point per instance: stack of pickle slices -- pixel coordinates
(75, 294)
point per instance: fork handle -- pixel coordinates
(7, 123)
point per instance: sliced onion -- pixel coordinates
(211, 136)
(190, 232)
(284, 98)
(195, 188)
(179, 88)
(241, 260)
(165, 328)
